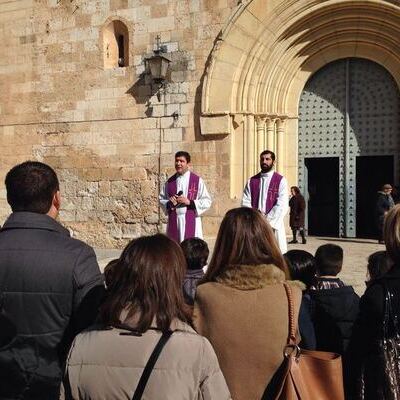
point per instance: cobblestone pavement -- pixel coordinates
(356, 252)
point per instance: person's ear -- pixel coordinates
(57, 200)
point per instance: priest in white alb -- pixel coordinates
(268, 192)
(184, 198)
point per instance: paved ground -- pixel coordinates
(356, 252)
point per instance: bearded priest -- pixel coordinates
(268, 192)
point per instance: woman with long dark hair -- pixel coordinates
(242, 307)
(302, 268)
(145, 310)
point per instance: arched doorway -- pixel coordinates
(348, 145)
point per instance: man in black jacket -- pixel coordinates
(50, 286)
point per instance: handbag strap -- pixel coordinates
(291, 340)
(150, 365)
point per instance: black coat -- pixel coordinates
(50, 288)
(297, 211)
(333, 312)
(306, 326)
(384, 203)
(368, 332)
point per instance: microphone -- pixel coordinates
(180, 193)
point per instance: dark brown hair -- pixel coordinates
(268, 152)
(391, 234)
(295, 189)
(301, 264)
(196, 252)
(184, 154)
(147, 283)
(244, 237)
(31, 187)
(329, 259)
(378, 264)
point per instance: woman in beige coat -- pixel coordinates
(145, 299)
(242, 307)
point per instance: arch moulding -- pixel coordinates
(263, 58)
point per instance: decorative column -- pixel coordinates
(280, 149)
(251, 145)
(270, 134)
(261, 133)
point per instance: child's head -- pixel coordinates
(378, 265)
(329, 259)
(196, 252)
(110, 273)
(301, 264)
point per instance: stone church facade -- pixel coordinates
(244, 76)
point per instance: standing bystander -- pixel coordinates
(384, 203)
(297, 210)
(50, 286)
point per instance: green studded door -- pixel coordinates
(347, 110)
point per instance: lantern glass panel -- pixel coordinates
(164, 68)
(155, 67)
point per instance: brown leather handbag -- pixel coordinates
(306, 374)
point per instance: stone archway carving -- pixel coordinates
(265, 55)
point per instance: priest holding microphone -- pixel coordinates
(184, 198)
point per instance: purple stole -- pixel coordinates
(190, 216)
(273, 191)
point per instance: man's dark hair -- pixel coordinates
(268, 152)
(196, 252)
(329, 259)
(183, 154)
(31, 187)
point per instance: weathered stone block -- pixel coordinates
(132, 173)
(67, 216)
(118, 4)
(173, 135)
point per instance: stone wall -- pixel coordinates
(105, 131)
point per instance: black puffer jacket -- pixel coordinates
(333, 313)
(364, 351)
(50, 287)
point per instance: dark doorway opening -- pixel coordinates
(372, 172)
(323, 196)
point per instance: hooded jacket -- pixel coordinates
(244, 314)
(107, 364)
(333, 312)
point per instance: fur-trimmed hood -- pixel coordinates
(250, 277)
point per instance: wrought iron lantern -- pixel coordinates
(158, 64)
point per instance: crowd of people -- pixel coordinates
(164, 323)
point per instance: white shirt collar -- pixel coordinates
(267, 174)
(185, 174)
